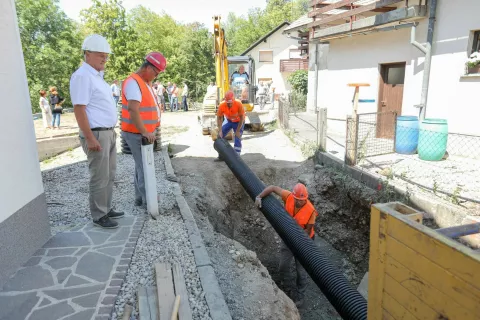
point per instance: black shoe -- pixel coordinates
(138, 202)
(106, 223)
(115, 214)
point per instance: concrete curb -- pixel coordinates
(445, 214)
(213, 295)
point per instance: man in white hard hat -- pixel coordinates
(96, 115)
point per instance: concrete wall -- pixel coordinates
(51, 147)
(280, 45)
(24, 225)
(451, 95)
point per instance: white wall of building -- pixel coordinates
(19, 167)
(451, 95)
(280, 45)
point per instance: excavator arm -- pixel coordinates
(221, 61)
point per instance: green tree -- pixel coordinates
(51, 47)
(299, 81)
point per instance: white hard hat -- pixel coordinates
(97, 43)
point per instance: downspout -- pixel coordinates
(315, 89)
(427, 50)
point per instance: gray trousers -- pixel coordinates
(102, 166)
(286, 257)
(134, 141)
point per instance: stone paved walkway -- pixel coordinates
(75, 276)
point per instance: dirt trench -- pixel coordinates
(221, 204)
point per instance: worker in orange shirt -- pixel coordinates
(303, 212)
(232, 110)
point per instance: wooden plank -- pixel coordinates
(447, 253)
(379, 4)
(425, 291)
(387, 316)
(313, 3)
(377, 263)
(409, 301)
(143, 307)
(460, 291)
(165, 292)
(395, 309)
(185, 312)
(152, 302)
(330, 7)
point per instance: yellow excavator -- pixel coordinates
(225, 67)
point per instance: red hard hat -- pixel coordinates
(229, 96)
(158, 60)
(300, 192)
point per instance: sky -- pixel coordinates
(181, 10)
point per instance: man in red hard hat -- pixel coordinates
(140, 116)
(234, 113)
(302, 211)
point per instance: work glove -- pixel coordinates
(258, 202)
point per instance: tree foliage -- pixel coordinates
(299, 81)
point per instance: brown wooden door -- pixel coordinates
(392, 78)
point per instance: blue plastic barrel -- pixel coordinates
(406, 137)
(432, 139)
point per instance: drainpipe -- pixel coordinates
(315, 89)
(427, 50)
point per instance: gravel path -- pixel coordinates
(163, 240)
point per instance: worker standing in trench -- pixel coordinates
(140, 116)
(303, 212)
(232, 109)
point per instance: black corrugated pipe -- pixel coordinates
(336, 288)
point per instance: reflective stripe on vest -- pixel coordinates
(148, 108)
(303, 215)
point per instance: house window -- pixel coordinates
(476, 42)
(295, 54)
(265, 56)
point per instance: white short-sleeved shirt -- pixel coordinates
(115, 90)
(88, 88)
(132, 90)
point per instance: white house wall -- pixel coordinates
(358, 59)
(281, 46)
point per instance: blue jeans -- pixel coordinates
(184, 103)
(229, 125)
(116, 100)
(170, 101)
(56, 118)
(174, 105)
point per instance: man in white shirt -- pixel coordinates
(161, 97)
(184, 97)
(96, 116)
(115, 91)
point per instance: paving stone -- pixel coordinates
(75, 281)
(29, 278)
(18, 306)
(105, 310)
(111, 244)
(119, 275)
(122, 234)
(127, 255)
(122, 268)
(67, 239)
(45, 302)
(61, 252)
(82, 315)
(114, 252)
(61, 294)
(95, 266)
(126, 221)
(33, 261)
(116, 283)
(102, 318)
(109, 300)
(40, 252)
(89, 301)
(98, 237)
(130, 245)
(113, 290)
(128, 250)
(124, 262)
(61, 262)
(77, 228)
(55, 311)
(81, 251)
(62, 275)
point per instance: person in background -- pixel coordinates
(234, 113)
(140, 118)
(160, 95)
(115, 91)
(211, 86)
(56, 102)
(169, 94)
(184, 97)
(303, 212)
(174, 97)
(46, 111)
(96, 116)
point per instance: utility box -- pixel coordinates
(417, 272)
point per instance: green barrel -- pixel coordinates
(432, 139)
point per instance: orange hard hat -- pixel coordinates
(229, 96)
(300, 192)
(157, 60)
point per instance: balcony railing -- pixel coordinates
(291, 65)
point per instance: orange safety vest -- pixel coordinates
(148, 108)
(303, 215)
